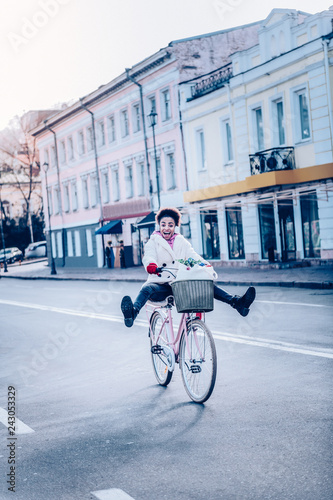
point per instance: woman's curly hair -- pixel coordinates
(169, 212)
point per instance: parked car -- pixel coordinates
(12, 254)
(37, 249)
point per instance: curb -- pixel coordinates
(316, 285)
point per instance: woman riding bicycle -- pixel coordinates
(164, 249)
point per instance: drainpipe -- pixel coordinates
(59, 194)
(83, 106)
(183, 139)
(150, 185)
(328, 85)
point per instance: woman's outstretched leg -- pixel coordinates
(154, 291)
(241, 304)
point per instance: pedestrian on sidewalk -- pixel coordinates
(164, 249)
(122, 255)
(109, 255)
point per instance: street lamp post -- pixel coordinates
(5, 269)
(53, 268)
(152, 121)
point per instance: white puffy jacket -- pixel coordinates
(158, 251)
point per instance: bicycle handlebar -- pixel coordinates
(159, 270)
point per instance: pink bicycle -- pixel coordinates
(193, 347)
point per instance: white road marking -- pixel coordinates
(291, 303)
(275, 344)
(230, 337)
(20, 427)
(112, 494)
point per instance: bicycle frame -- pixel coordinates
(167, 326)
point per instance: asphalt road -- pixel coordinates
(93, 423)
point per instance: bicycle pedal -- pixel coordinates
(195, 368)
(156, 349)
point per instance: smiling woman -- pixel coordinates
(166, 248)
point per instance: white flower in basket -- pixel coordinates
(193, 287)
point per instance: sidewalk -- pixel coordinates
(317, 277)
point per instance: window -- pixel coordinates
(80, 137)
(70, 148)
(93, 190)
(259, 130)
(278, 123)
(62, 153)
(235, 233)
(53, 157)
(141, 179)
(136, 118)
(171, 171)
(46, 156)
(310, 225)
(89, 243)
(59, 244)
(75, 204)
(303, 116)
(105, 187)
(153, 173)
(85, 194)
(54, 246)
(111, 129)
(229, 154)
(124, 123)
(66, 197)
(56, 200)
(100, 133)
(77, 241)
(49, 201)
(166, 105)
(115, 184)
(267, 231)
(90, 139)
(201, 150)
(152, 104)
(129, 181)
(70, 250)
(210, 234)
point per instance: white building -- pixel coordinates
(258, 139)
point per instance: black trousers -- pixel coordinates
(157, 292)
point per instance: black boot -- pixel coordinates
(242, 304)
(128, 310)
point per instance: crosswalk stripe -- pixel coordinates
(112, 494)
(20, 427)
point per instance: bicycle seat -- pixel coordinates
(163, 303)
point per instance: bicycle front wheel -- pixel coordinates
(197, 359)
(157, 341)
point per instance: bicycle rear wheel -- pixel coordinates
(159, 359)
(197, 359)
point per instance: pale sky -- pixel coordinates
(54, 51)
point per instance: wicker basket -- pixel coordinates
(193, 295)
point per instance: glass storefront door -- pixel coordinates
(235, 233)
(267, 231)
(310, 224)
(210, 235)
(287, 230)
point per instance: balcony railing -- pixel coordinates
(214, 81)
(271, 160)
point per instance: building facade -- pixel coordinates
(107, 170)
(258, 139)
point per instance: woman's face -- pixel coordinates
(167, 227)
